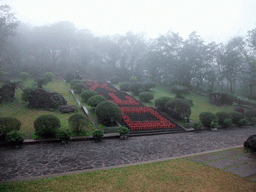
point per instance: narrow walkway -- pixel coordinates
(47, 159)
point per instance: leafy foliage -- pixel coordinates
(64, 133)
(242, 122)
(136, 88)
(95, 100)
(40, 82)
(207, 118)
(222, 116)
(24, 76)
(180, 90)
(161, 102)
(69, 77)
(87, 94)
(79, 123)
(250, 114)
(49, 76)
(46, 126)
(14, 136)
(8, 124)
(108, 112)
(236, 117)
(125, 86)
(178, 108)
(123, 131)
(27, 94)
(115, 80)
(75, 81)
(146, 96)
(79, 87)
(227, 122)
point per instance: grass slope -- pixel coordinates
(174, 175)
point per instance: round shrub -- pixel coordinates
(69, 77)
(161, 102)
(79, 123)
(227, 122)
(242, 122)
(95, 100)
(222, 116)
(207, 118)
(180, 90)
(24, 76)
(46, 126)
(147, 85)
(108, 112)
(178, 108)
(236, 117)
(134, 79)
(79, 87)
(14, 136)
(27, 94)
(8, 124)
(146, 96)
(49, 76)
(87, 94)
(125, 87)
(136, 88)
(250, 114)
(115, 80)
(75, 81)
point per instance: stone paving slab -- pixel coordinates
(244, 170)
(53, 158)
(221, 164)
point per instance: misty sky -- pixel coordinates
(214, 20)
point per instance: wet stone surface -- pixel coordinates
(47, 159)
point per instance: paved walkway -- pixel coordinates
(48, 159)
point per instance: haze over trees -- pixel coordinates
(168, 59)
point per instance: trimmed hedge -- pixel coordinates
(46, 126)
(178, 108)
(222, 116)
(49, 76)
(79, 87)
(79, 123)
(236, 117)
(27, 94)
(250, 114)
(95, 100)
(8, 124)
(87, 94)
(75, 81)
(207, 118)
(114, 80)
(136, 88)
(161, 102)
(125, 86)
(146, 96)
(69, 77)
(108, 112)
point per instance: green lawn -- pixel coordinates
(28, 116)
(173, 175)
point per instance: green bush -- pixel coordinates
(227, 122)
(214, 124)
(40, 82)
(136, 88)
(3, 76)
(236, 117)
(74, 81)
(95, 100)
(8, 124)
(87, 94)
(24, 76)
(147, 85)
(250, 114)
(14, 136)
(98, 135)
(108, 112)
(207, 118)
(69, 77)
(79, 87)
(49, 76)
(222, 116)
(125, 86)
(123, 131)
(161, 102)
(134, 79)
(79, 123)
(63, 133)
(115, 80)
(197, 126)
(242, 122)
(190, 102)
(27, 94)
(46, 126)
(146, 96)
(178, 108)
(180, 90)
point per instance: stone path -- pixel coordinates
(48, 159)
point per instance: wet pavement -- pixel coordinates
(47, 159)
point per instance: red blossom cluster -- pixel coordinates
(105, 86)
(138, 125)
(94, 85)
(116, 100)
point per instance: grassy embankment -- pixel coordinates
(174, 175)
(27, 116)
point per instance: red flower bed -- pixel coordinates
(138, 125)
(116, 100)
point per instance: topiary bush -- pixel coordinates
(236, 117)
(125, 86)
(46, 126)
(75, 81)
(40, 82)
(250, 114)
(161, 102)
(79, 87)
(79, 123)
(95, 100)
(8, 124)
(222, 116)
(115, 80)
(242, 122)
(207, 118)
(87, 94)
(178, 108)
(27, 94)
(180, 90)
(147, 85)
(108, 112)
(69, 77)
(49, 76)
(227, 122)
(136, 88)
(14, 137)
(24, 76)
(146, 96)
